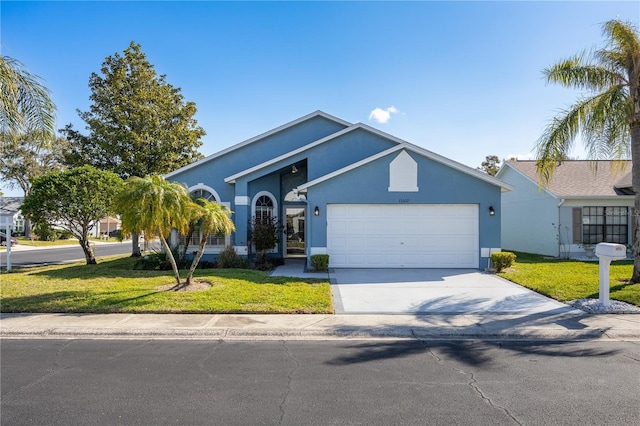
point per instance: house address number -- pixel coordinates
(403, 200)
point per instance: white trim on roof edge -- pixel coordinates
(232, 178)
(285, 126)
(507, 164)
(401, 143)
(418, 150)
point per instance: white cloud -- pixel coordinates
(382, 115)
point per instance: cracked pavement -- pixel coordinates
(359, 382)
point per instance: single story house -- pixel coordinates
(10, 214)
(365, 197)
(106, 225)
(584, 203)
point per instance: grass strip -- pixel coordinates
(114, 286)
(566, 280)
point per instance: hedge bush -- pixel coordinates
(230, 259)
(502, 260)
(320, 262)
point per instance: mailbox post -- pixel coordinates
(607, 252)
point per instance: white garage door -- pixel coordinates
(403, 235)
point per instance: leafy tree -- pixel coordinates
(25, 104)
(74, 200)
(26, 157)
(155, 206)
(138, 124)
(490, 165)
(608, 118)
(213, 218)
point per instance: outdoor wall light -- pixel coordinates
(492, 211)
(294, 170)
(316, 211)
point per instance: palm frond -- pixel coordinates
(578, 73)
(25, 103)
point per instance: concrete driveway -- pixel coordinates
(425, 291)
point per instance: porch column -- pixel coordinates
(241, 217)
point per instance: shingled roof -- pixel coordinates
(10, 205)
(583, 178)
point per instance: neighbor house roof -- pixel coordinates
(10, 205)
(581, 178)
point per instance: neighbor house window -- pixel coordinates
(213, 239)
(605, 224)
(19, 223)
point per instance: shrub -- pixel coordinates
(502, 260)
(230, 259)
(45, 232)
(158, 260)
(320, 262)
(264, 234)
(65, 235)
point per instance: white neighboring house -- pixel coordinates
(10, 213)
(106, 225)
(585, 203)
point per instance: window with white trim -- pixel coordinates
(605, 224)
(212, 239)
(265, 210)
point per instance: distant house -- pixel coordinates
(585, 203)
(107, 225)
(10, 213)
(365, 197)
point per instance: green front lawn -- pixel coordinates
(567, 280)
(114, 286)
(37, 243)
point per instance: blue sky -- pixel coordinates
(462, 79)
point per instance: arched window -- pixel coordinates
(214, 239)
(203, 193)
(264, 209)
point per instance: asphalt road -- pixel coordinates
(131, 382)
(61, 254)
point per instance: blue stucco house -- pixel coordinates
(366, 198)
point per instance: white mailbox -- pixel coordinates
(607, 252)
(611, 250)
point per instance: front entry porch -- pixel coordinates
(295, 244)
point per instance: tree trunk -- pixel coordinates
(27, 228)
(196, 260)
(135, 245)
(88, 253)
(169, 254)
(187, 238)
(635, 173)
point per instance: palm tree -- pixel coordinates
(155, 206)
(608, 120)
(213, 219)
(25, 105)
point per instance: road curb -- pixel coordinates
(296, 334)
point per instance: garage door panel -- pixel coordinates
(428, 236)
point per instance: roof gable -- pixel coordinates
(260, 137)
(580, 178)
(418, 150)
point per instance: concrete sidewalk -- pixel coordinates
(574, 325)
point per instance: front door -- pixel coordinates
(294, 232)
